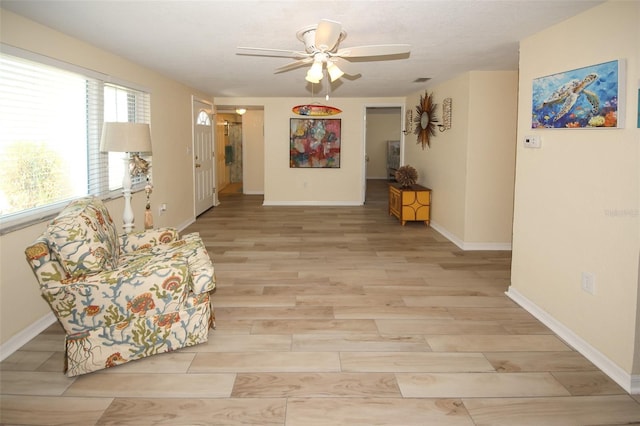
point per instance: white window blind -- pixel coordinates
(51, 120)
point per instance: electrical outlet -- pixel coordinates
(589, 282)
(532, 141)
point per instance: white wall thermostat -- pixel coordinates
(532, 142)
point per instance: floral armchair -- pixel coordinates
(121, 298)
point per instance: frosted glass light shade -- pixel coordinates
(334, 72)
(315, 72)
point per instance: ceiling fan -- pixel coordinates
(321, 47)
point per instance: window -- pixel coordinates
(51, 119)
(203, 119)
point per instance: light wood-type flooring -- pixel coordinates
(334, 316)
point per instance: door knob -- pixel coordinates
(198, 165)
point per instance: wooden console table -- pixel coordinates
(410, 204)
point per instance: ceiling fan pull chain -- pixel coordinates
(328, 88)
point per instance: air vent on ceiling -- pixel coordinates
(421, 79)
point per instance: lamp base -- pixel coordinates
(127, 215)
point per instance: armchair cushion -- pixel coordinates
(84, 238)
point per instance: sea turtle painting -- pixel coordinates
(584, 97)
(570, 92)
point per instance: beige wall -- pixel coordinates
(576, 203)
(171, 123)
(491, 155)
(296, 186)
(253, 150)
(470, 167)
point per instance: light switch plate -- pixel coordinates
(532, 141)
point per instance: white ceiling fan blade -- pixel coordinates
(293, 65)
(264, 51)
(373, 50)
(345, 65)
(327, 34)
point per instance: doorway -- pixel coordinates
(229, 144)
(383, 124)
(205, 195)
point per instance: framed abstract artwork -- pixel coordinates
(583, 98)
(314, 142)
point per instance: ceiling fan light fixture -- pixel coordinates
(311, 80)
(334, 72)
(314, 75)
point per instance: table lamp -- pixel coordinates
(126, 138)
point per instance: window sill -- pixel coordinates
(45, 215)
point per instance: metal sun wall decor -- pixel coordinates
(314, 142)
(425, 119)
(581, 98)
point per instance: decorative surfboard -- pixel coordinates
(315, 110)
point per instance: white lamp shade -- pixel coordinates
(334, 72)
(315, 72)
(125, 137)
(312, 79)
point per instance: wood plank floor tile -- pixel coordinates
(378, 411)
(435, 326)
(195, 411)
(318, 385)
(431, 290)
(460, 301)
(25, 360)
(359, 343)
(510, 362)
(583, 383)
(54, 364)
(44, 410)
(271, 312)
(34, 383)
(494, 343)
(221, 300)
(304, 288)
(390, 312)
(244, 343)
(153, 385)
(350, 300)
(169, 362)
(320, 326)
(47, 342)
(490, 314)
(566, 411)
(414, 361)
(470, 385)
(264, 361)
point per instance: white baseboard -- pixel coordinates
(630, 383)
(181, 227)
(23, 337)
(470, 246)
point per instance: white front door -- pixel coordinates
(203, 157)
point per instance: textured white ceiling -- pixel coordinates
(195, 41)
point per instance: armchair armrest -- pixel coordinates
(145, 239)
(203, 279)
